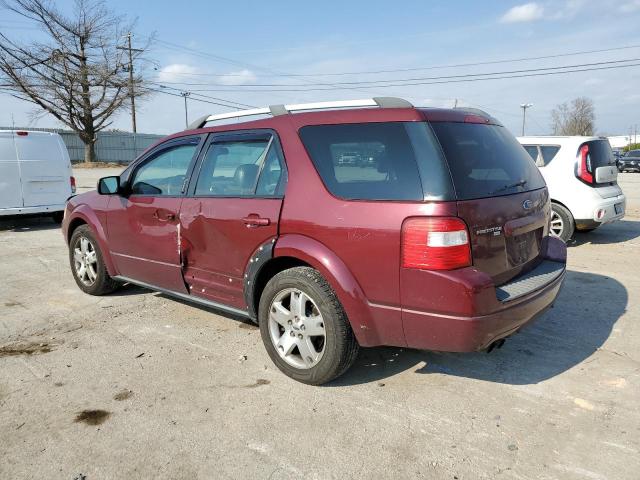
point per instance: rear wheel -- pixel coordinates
(562, 224)
(304, 327)
(87, 264)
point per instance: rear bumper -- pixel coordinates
(495, 319)
(604, 211)
(32, 210)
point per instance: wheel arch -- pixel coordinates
(299, 250)
(83, 215)
(553, 200)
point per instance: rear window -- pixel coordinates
(486, 160)
(379, 161)
(600, 154)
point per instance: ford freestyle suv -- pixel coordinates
(332, 226)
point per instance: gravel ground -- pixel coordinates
(138, 385)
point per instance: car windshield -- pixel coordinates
(633, 153)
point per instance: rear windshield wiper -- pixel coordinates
(521, 183)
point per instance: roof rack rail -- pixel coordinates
(277, 110)
(473, 110)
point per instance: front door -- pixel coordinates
(143, 225)
(231, 211)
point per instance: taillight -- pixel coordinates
(72, 181)
(22, 134)
(584, 165)
(438, 243)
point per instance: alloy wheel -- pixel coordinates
(556, 226)
(296, 328)
(85, 261)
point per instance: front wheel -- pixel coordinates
(304, 327)
(562, 224)
(87, 264)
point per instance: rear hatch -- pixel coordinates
(500, 194)
(596, 167)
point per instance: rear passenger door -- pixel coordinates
(233, 208)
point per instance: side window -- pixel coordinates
(534, 153)
(532, 150)
(240, 168)
(548, 152)
(164, 174)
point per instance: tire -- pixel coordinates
(95, 280)
(283, 329)
(562, 224)
(57, 217)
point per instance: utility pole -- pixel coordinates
(131, 90)
(186, 112)
(524, 107)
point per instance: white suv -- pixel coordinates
(581, 174)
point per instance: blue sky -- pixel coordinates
(261, 42)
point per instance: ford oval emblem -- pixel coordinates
(527, 204)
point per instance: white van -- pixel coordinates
(582, 175)
(35, 173)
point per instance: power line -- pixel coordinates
(376, 83)
(414, 69)
(236, 62)
(194, 99)
(162, 85)
(131, 84)
(461, 80)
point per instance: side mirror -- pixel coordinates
(109, 185)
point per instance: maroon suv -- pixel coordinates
(332, 228)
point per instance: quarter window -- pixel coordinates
(165, 173)
(378, 161)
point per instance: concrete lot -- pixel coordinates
(180, 392)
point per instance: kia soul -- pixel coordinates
(333, 226)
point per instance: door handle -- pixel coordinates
(256, 221)
(164, 216)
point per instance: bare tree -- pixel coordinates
(79, 73)
(574, 118)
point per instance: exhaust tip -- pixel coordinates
(497, 344)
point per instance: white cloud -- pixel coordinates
(527, 12)
(241, 77)
(176, 72)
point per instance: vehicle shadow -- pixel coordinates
(616, 232)
(580, 322)
(27, 224)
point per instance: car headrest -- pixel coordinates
(245, 176)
